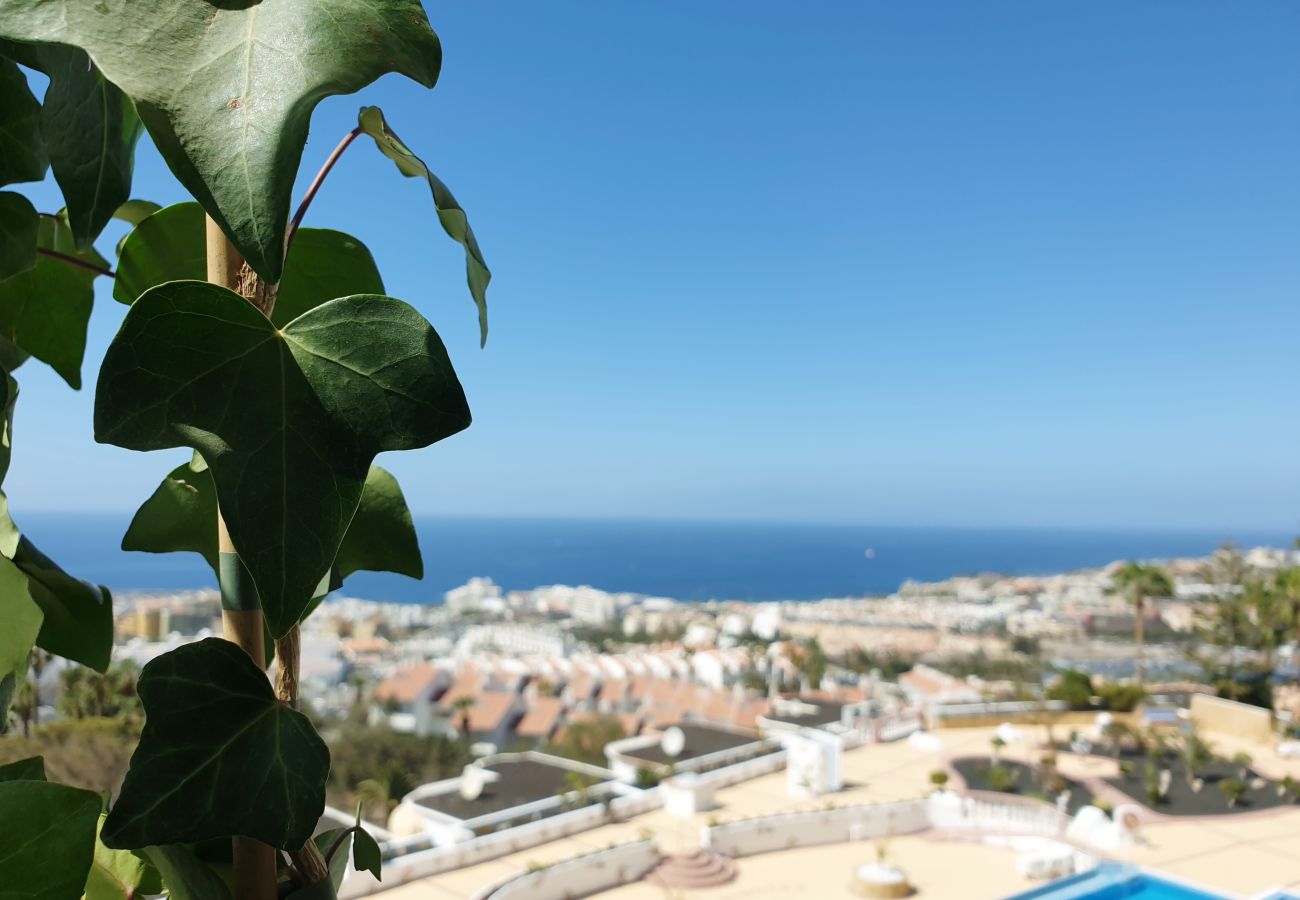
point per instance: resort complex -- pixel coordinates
(978, 737)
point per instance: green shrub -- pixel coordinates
(1121, 697)
(1073, 687)
(1232, 789)
(1000, 778)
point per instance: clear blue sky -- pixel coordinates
(927, 263)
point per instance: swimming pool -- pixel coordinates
(1112, 881)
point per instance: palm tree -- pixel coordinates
(1229, 617)
(1140, 582)
(1268, 610)
(1287, 584)
(383, 792)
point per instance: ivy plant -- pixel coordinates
(270, 351)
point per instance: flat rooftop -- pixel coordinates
(520, 782)
(701, 740)
(1242, 855)
(823, 712)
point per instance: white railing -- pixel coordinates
(785, 831)
(899, 728)
(743, 771)
(578, 877)
(423, 863)
(996, 708)
(976, 815)
(995, 814)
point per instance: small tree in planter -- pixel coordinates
(1233, 789)
(939, 778)
(1152, 785)
(997, 744)
(1195, 753)
(1242, 761)
(1116, 734)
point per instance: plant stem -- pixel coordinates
(316, 184)
(254, 862)
(310, 864)
(73, 261)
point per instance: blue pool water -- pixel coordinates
(1115, 882)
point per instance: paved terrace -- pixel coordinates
(1241, 855)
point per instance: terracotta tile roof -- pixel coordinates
(489, 708)
(542, 717)
(614, 691)
(467, 684)
(406, 684)
(581, 687)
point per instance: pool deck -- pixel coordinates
(1240, 855)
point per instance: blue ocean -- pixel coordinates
(684, 560)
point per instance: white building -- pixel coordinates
(479, 595)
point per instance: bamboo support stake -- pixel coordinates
(254, 862)
(244, 626)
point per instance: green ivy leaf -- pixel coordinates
(181, 516)
(316, 401)
(20, 615)
(366, 855)
(219, 755)
(45, 310)
(452, 217)
(338, 863)
(90, 131)
(21, 619)
(30, 769)
(77, 617)
(133, 212)
(169, 246)
(22, 154)
(382, 536)
(229, 100)
(186, 875)
(19, 225)
(119, 874)
(47, 839)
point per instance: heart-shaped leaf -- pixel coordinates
(452, 217)
(219, 755)
(169, 246)
(287, 419)
(45, 310)
(90, 131)
(47, 839)
(19, 225)
(119, 874)
(227, 89)
(22, 154)
(181, 516)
